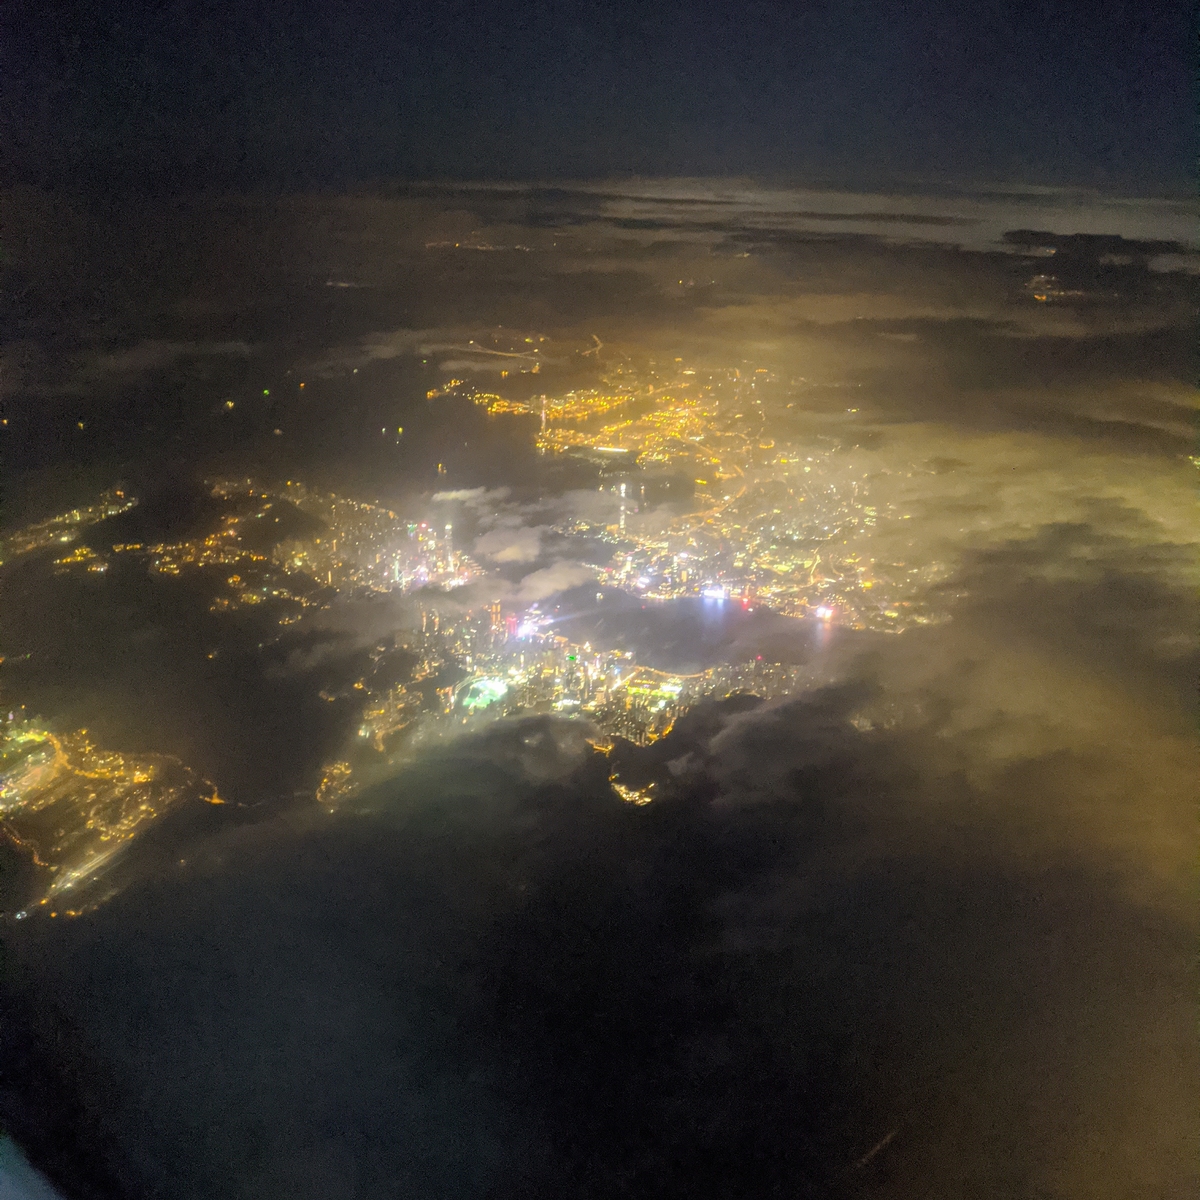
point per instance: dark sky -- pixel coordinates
(189, 93)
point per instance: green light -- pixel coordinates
(570, 658)
(266, 391)
(484, 692)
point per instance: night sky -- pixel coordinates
(188, 94)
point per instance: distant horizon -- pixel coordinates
(1176, 189)
(979, 216)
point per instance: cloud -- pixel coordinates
(378, 346)
(557, 577)
(510, 545)
(703, 212)
(481, 366)
(478, 497)
(1187, 264)
(599, 506)
(151, 355)
(532, 750)
(390, 345)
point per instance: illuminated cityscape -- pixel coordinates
(707, 506)
(789, 524)
(72, 808)
(64, 528)
(474, 668)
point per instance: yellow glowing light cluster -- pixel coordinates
(72, 807)
(446, 387)
(677, 429)
(638, 796)
(574, 406)
(65, 527)
(335, 785)
(82, 556)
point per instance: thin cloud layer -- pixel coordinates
(507, 545)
